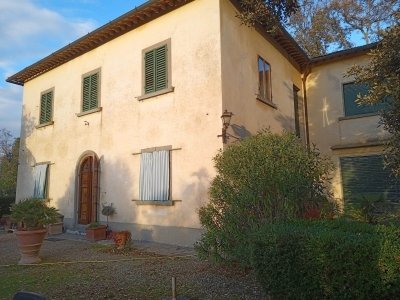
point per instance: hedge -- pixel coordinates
(335, 259)
(5, 203)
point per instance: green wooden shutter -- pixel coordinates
(161, 72)
(90, 92)
(149, 72)
(155, 70)
(46, 107)
(365, 176)
(94, 90)
(351, 108)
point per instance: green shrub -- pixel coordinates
(262, 179)
(34, 213)
(5, 203)
(331, 259)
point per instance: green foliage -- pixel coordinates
(5, 203)
(335, 259)
(34, 213)
(94, 225)
(373, 210)
(8, 164)
(266, 12)
(382, 75)
(263, 179)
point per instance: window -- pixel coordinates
(40, 177)
(154, 176)
(264, 80)
(367, 177)
(351, 107)
(46, 107)
(90, 91)
(157, 70)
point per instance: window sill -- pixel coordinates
(358, 116)
(94, 110)
(158, 93)
(267, 102)
(44, 124)
(156, 202)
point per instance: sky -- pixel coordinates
(33, 29)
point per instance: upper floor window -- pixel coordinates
(351, 107)
(157, 70)
(46, 107)
(90, 90)
(264, 80)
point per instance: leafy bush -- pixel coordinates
(331, 259)
(262, 179)
(5, 203)
(34, 213)
(373, 210)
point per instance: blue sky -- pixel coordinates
(33, 29)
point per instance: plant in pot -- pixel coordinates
(32, 214)
(108, 210)
(96, 232)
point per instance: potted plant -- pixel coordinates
(96, 232)
(32, 214)
(107, 210)
(122, 239)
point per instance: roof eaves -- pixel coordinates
(136, 17)
(342, 54)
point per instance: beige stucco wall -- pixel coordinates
(327, 126)
(241, 47)
(188, 118)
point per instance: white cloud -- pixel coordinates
(28, 33)
(10, 108)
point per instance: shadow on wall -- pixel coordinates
(240, 131)
(115, 186)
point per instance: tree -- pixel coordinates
(382, 75)
(9, 148)
(263, 179)
(314, 30)
(268, 13)
(6, 142)
(367, 17)
(322, 26)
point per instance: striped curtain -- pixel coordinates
(39, 176)
(154, 176)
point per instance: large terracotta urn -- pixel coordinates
(29, 242)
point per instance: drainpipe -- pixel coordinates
(304, 79)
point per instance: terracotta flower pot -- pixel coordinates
(98, 233)
(29, 242)
(121, 239)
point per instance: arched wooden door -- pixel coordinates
(88, 178)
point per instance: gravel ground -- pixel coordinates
(77, 269)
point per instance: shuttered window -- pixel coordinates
(90, 91)
(351, 107)
(365, 176)
(156, 69)
(154, 176)
(46, 107)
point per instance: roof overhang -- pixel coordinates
(343, 54)
(136, 17)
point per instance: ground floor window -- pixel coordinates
(366, 176)
(154, 176)
(40, 183)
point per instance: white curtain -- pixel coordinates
(39, 176)
(154, 175)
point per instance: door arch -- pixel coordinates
(88, 188)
